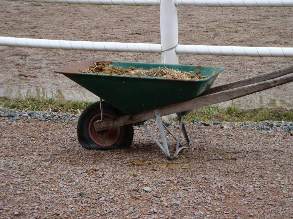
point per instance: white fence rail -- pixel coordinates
(147, 48)
(80, 45)
(236, 50)
(198, 3)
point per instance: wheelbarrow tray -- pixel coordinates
(132, 94)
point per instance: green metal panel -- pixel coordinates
(132, 94)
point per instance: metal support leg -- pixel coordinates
(171, 134)
(153, 137)
(179, 115)
(164, 146)
(163, 136)
(185, 134)
(178, 149)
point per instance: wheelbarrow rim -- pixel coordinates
(104, 138)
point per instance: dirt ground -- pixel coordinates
(25, 67)
(226, 173)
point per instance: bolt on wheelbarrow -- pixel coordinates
(130, 100)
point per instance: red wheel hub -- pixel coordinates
(106, 137)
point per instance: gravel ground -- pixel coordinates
(230, 171)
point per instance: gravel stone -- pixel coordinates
(216, 123)
(147, 189)
(82, 194)
(102, 198)
(176, 203)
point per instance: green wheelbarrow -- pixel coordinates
(132, 95)
(131, 100)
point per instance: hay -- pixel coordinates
(161, 72)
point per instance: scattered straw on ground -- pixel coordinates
(161, 72)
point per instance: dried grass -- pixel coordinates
(161, 72)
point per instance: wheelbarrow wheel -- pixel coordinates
(113, 138)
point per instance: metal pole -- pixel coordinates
(169, 31)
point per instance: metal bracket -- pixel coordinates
(101, 109)
(164, 146)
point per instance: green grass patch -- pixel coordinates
(232, 114)
(206, 114)
(49, 105)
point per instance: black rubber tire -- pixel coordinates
(84, 138)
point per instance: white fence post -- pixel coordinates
(169, 31)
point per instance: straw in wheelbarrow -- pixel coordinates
(161, 72)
